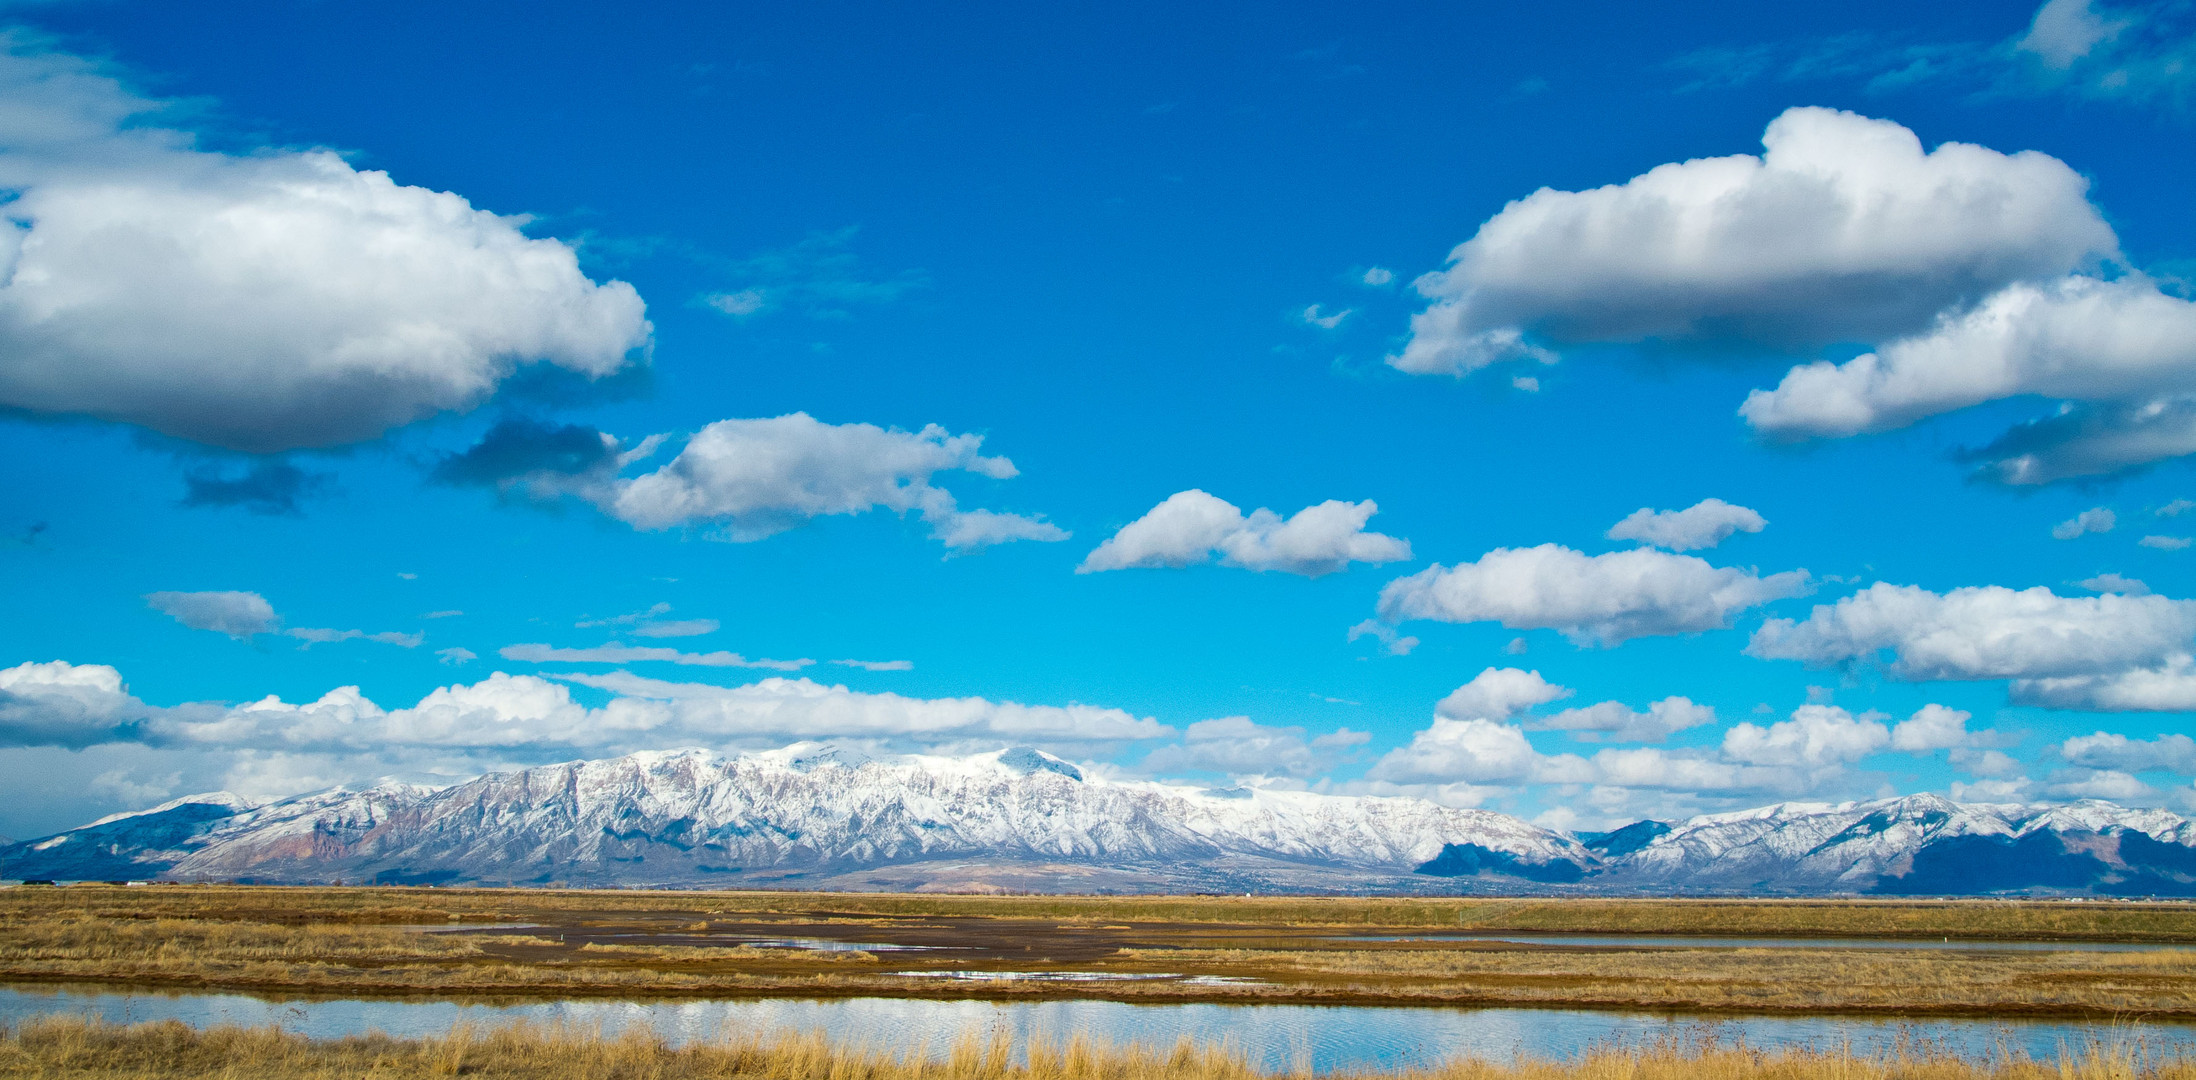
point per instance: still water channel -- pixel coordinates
(1326, 1038)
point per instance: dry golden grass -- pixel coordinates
(365, 941)
(2006, 919)
(70, 1048)
(2159, 983)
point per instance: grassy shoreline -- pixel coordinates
(1981, 919)
(520, 945)
(91, 1050)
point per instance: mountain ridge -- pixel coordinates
(1019, 819)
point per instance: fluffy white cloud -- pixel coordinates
(2096, 519)
(1238, 746)
(240, 615)
(627, 654)
(778, 706)
(753, 479)
(1808, 753)
(2166, 686)
(263, 301)
(62, 704)
(2165, 543)
(1702, 525)
(1472, 751)
(878, 665)
(1932, 727)
(274, 747)
(1498, 694)
(1190, 527)
(2101, 784)
(2107, 750)
(1816, 736)
(1661, 770)
(1843, 229)
(1985, 632)
(1609, 598)
(2121, 349)
(1617, 722)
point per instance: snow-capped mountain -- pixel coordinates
(810, 817)
(1919, 844)
(1016, 818)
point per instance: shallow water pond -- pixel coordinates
(1326, 1038)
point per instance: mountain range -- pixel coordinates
(811, 817)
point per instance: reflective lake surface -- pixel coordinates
(1682, 941)
(1325, 1038)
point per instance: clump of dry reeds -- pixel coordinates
(90, 1050)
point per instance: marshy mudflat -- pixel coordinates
(1703, 956)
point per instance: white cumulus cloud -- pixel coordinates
(1241, 747)
(2109, 750)
(1470, 751)
(1702, 525)
(1618, 722)
(261, 301)
(779, 706)
(271, 747)
(1984, 632)
(2118, 353)
(1932, 727)
(1844, 229)
(753, 479)
(1816, 736)
(2168, 685)
(1608, 598)
(1499, 694)
(1191, 527)
(57, 703)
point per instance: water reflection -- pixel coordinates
(1327, 1038)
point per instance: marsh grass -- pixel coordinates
(2004, 919)
(365, 941)
(89, 1050)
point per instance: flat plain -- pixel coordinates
(514, 944)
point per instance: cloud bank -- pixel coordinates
(261, 302)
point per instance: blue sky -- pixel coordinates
(853, 332)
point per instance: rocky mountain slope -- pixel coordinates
(1021, 819)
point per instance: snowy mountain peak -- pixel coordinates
(821, 816)
(1029, 759)
(219, 799)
